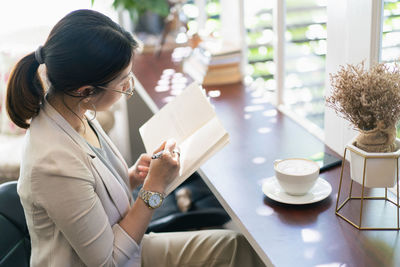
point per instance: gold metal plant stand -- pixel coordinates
(362, 198)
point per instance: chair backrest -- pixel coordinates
(15, 247)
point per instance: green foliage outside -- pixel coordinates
(213, 8)
(254, 54)
(262, 68)
(138, 7)
(391, 23)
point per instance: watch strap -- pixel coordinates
(146, 194)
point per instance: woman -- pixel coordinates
(74, 185)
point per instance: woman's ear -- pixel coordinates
(86, 90)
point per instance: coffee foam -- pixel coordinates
(296, 167)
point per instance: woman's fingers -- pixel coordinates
(145, 160)
(142, 168)
(142, 175)
(160, 148)
(172, 148)
(170, 145)
(164, 166)
(176, 153)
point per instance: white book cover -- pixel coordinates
(191, 120)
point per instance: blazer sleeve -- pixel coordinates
(65, 188)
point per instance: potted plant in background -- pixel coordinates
(370, 100)
(147, 15)
(154, 20)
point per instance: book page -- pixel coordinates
(197, 146)
(178, 119)
(192, 122)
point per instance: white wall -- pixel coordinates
(26, 24)
(353, 36)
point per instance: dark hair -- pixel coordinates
(84, 48)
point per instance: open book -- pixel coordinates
(192, 122)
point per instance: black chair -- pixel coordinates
(15, 245)
(205, 212)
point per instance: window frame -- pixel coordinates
(233, 29)
(352, 37)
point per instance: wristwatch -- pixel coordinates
(152, 199)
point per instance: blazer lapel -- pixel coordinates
(114, 188)
(66, 127)
(124, 172)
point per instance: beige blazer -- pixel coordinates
(72, 202)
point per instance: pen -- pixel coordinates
(157, 155)
(160, 153)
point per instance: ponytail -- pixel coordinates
(25, 91)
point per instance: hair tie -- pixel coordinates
(38, 55)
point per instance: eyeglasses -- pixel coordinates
(127, 92)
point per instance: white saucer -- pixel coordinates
(274, 191)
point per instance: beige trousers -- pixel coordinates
(210, 248)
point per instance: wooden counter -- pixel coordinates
(283, 235)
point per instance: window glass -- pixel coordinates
(305, 59)
(390, 50)
(259, 38)
(305, 52)
(191, 12)
(212, 10)
(391, 31)
(213, 23)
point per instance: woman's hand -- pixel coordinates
(163, 170)
(139, 171)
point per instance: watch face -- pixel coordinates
(155, 200)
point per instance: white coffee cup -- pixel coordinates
(296, 175)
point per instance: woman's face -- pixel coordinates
(104, 100)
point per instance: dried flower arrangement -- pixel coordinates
(370, 100)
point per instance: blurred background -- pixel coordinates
(180, 26)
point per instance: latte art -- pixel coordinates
(296, 167)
